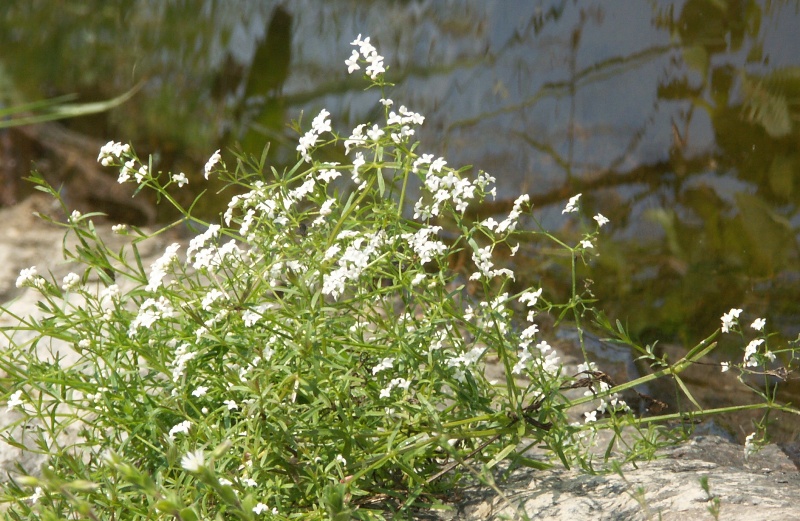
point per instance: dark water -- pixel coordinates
(680, 121)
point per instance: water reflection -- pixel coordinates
(678, 120)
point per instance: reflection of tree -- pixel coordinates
(714, 251)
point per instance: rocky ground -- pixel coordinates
(765, 486)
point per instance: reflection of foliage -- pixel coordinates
(720, 249)
(99, 48)
(57, 109)
(767, 100)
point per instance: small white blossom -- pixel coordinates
(261, 508)
(70, 282)
(572, 205)
(211, 163)
(38, 493)
(327, 175)
(352, 63)
(729, 318)
(181, 428)
(724, 366)
(384, 364)
(180, 179)
(201, 390)
(321, 122)
(193, 461)
(14, 401)
(112, 151)
(530, 297)
(750, 351)
(586, 244)
(750, 447)
(758, 324)
(27, 277)
(601, 219)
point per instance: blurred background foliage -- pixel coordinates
(679, 120)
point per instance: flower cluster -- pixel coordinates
(366, 53)
(310, 139)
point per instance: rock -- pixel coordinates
(765, 486)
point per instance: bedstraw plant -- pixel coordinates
(315, 353)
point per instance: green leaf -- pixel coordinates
(500, 456)
(188, 514)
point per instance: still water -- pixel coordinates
(680, 121)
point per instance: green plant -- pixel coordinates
(314, 354)
(715, 504)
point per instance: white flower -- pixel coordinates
(601, 219)
(524, 357)
(212, 161)
(119, 228)
(150, 311)
(182, 428)
(729, 318)
(490, 223)
(386, 102)
(27, 277)
(70, 282)
(586, 244)
(371, 56)
(724, 366)
(590, 417)
(750, 351)
(231, 404)
(358, 162)
(112, 151)
(201, 390)
(141, 173)
(193, 461)
(261, 507)
(159, 267)
(38, 493)
(127, 170)
(384, 364)
(375, 132)
(375, 67)
(326, 207)
(530, 297)
(750, 447)
(356, 138)
(328, 174)
(572, 205)
(14, 401)
(180, 179)
(321, 123)
(758, 324)
(352, 63)
(396, 382)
